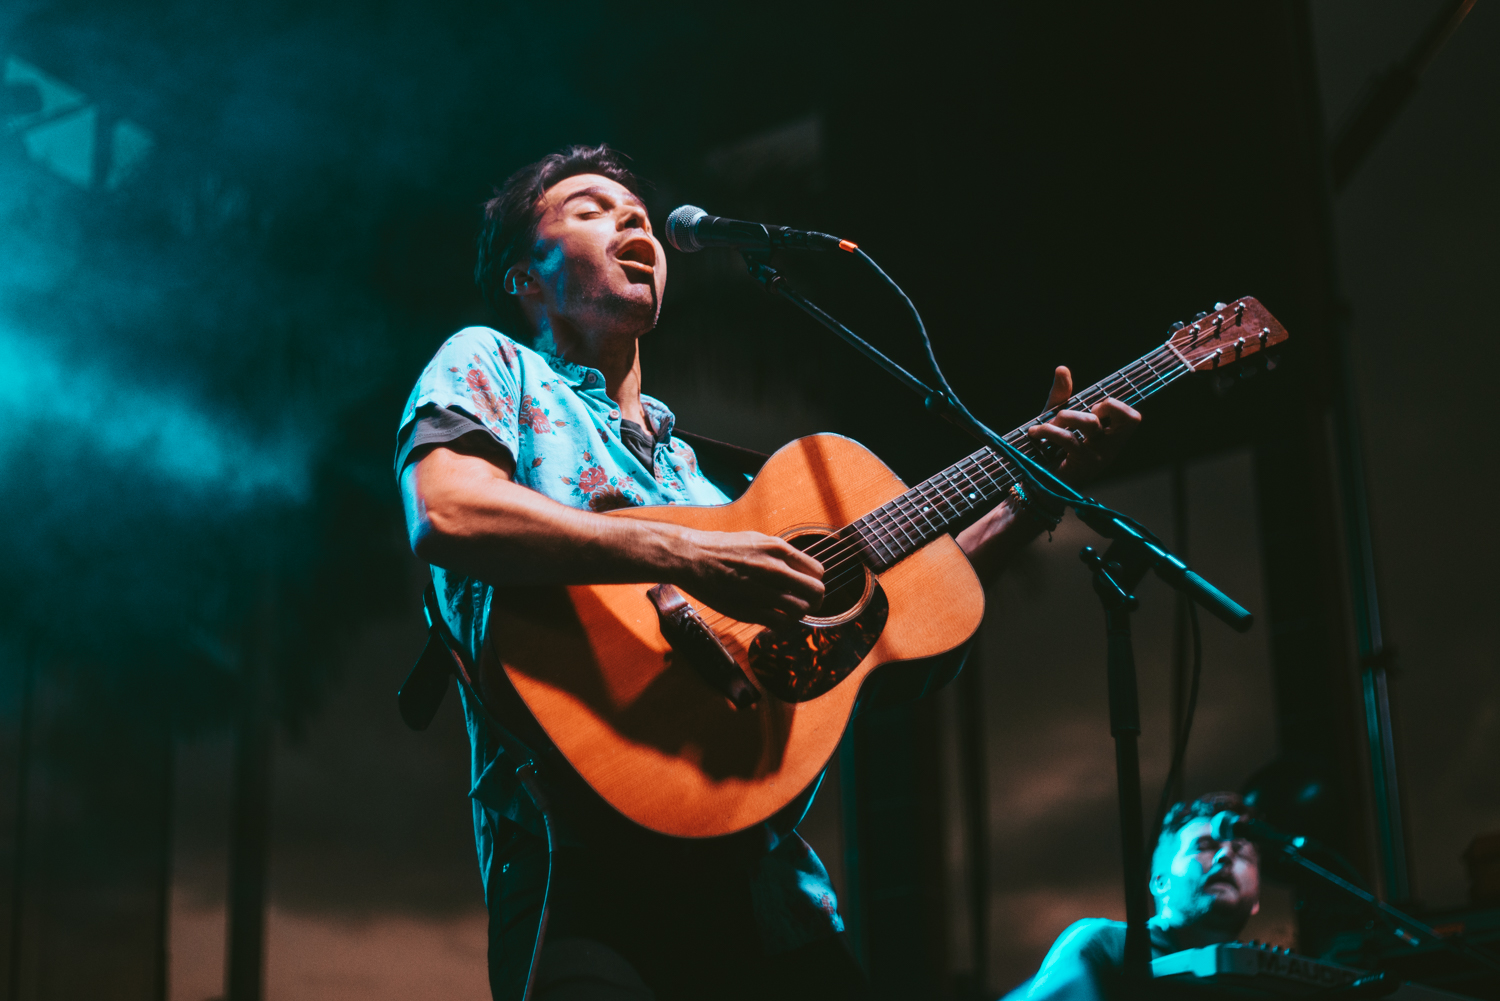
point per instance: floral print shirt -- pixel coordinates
(562, 430)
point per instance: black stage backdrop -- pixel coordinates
(233, 236)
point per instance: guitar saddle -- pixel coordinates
(694, 642)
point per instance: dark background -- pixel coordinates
(204, 349)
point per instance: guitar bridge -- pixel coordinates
(694, 642)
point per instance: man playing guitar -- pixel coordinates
(510, 448)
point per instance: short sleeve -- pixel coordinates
(1079, 965)
(477, 373)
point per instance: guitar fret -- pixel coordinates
(872, 539)
(987, 476)
(929, 503)
(899, 523)
(973, 495)
(953, 494)
(950, 496)
(921, 509)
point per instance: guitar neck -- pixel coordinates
(978, 482)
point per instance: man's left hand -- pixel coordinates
(1087, 440)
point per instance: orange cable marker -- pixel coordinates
(848, 246)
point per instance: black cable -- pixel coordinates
(527, 775)
(911, 307)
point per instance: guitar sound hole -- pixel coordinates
(846, 579)
(808, 660)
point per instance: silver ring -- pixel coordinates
(1077, 435)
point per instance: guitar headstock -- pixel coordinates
(1232, 332)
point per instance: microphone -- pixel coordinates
(1227, 826)
(690, 229)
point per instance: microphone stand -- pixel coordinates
(1132, 552)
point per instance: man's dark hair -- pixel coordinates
(511, 217)
(1183, 813)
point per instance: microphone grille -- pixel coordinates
(680, 228)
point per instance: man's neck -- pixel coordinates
(1192, 934)
(616, 355)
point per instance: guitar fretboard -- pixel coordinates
(978, 482)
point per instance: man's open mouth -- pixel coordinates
(637, 254)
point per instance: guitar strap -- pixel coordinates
(728, 467)
(427, 684)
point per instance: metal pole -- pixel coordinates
(249, 838)
(23, 796)
(975, 784)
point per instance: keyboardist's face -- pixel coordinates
(1209, 882)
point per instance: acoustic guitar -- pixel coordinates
(697, 725)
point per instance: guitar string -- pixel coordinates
(986, 462)
(950, 492)
(881, 522)
(885, 527)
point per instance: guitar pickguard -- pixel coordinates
(801, 664)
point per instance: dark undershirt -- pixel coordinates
(436, 425)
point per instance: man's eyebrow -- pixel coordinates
(594, 191)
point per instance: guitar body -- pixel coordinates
(650, 722)
(656, 740)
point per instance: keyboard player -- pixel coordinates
(1205, 891)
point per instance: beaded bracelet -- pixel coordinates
(1041, 517)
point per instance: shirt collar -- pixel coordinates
(662, 419)
(573, 375)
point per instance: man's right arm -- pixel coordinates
(465, 513)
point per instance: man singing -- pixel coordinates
(509, 448)
(1205, 891)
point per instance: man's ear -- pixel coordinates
(1159, 885)
(518, 281)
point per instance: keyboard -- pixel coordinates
(1270, 971)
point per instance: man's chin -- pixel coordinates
(630, 310)
(1225, 909)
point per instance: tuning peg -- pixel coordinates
(1199, 316)
(1218, 306)
(1176, 327)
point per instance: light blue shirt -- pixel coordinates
(563, 432)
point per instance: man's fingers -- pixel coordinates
(1062, 387)
(1120, 419)
(1056, 436)
(800, 561)
(1077, 420)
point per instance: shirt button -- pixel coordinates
(614, 415)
